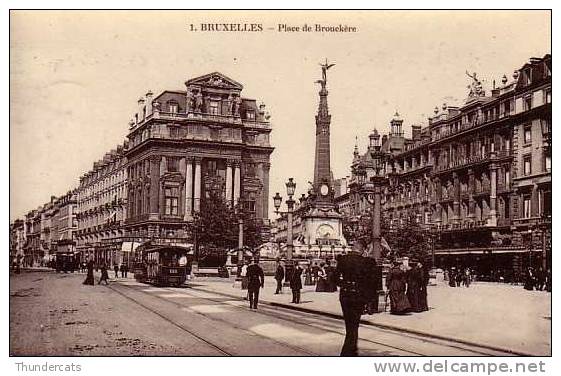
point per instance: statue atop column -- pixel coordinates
(324, 68)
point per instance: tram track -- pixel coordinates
(208, 342)
(327, 324)
(475, 350)
(172, 322)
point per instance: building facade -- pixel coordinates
(186, 145)
(65, 222)
(101, 210)
(478, 176)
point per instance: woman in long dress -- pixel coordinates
(396, 284)
(90, 277)
(321, 285)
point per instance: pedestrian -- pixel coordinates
(452, 277)
(467, 277)
(351, 271)
(548, 280)
(126, 267)
(116, 269)
(243, 275)
(279, 276)
(459, 277)
(255, 281)
(540, 279)
(296, 283)
(414, 282)
(330, 272)
(315, 270)
(122, 270)
(321, 285)
(423, 302)
(530, 279)
(396, 284)
(90, 276)
(104, 275)
(308, 276)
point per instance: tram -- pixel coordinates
(66, 262)
(163, 265)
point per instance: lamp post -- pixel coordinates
(372, 191)
(277, 201)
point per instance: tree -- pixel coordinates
(407, 238)
(216, 225)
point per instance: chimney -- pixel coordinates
(149, 96)
(139, 117)
(416, 132)
(384, 139)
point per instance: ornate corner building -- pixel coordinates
(185, 145)
(478, 176)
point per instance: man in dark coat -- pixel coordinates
(396, 284)
(116, 270)
(279, 276)
(414, 282)
(350, 275)
(90, 277)
(296, 283)
(255, 280)
(452, 278)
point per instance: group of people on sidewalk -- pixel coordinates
(458, 277)
(407, 286)
(539, 280)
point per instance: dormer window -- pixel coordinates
(250, 115)
(213, 108)
(173, 107)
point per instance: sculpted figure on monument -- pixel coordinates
(198, 102)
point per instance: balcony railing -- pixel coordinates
(475, 122)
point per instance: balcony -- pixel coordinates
(473, 160)
(204, 117)
(474, 123)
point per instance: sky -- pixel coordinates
(76, 76)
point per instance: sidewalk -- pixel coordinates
(499, 316)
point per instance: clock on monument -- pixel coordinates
(324, 189)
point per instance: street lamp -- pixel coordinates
(277, 201)
(371, 190)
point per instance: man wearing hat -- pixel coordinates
(350, 276)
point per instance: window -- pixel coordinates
(172, 200)
(527, 103)
(547, 96)
(173, 107)
(214, 108)
(527, 165)
(547, 163)
(527, 207)
(527, 134)
(174, 132)
(507, 177)
(250, 115)
(173, 164)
